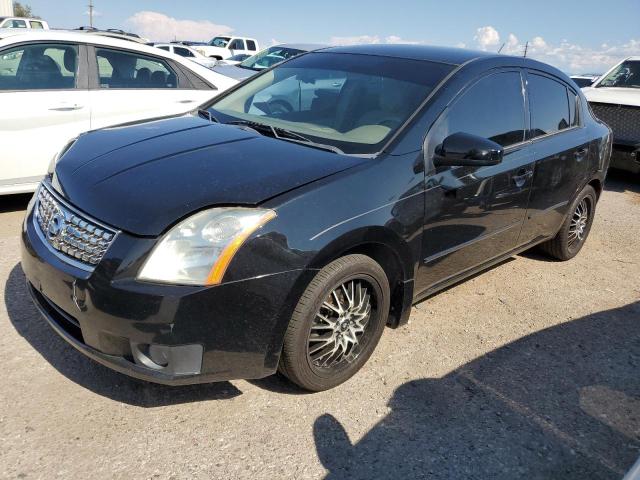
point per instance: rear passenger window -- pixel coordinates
(119, 69)
(39, 67)
(183, 52)
(493, 108)
(237, 44)
(36, 25)
(251, 45)
(549, 106)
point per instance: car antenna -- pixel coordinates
(526, 47)
(500, 49)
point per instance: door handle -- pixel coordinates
(185, 101)
(522, 176)
(66, 107)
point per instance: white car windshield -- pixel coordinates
(352, 102)
(626, 75)
(219, 42)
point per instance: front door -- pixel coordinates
(474, 214)
(45, 103)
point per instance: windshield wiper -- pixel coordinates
(208, 115)
(284, 134)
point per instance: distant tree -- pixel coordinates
(20, 10)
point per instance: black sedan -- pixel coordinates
(284, 225)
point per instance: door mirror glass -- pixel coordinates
(465, 149)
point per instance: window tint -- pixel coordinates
(118, 69)
(251, 45)
(549, 105)
(39, 67)
(237, 44)
(493, 108)
(165, 47)
(574, 108)
(183, 52)
(36, 25)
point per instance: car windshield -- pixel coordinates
(270, 57)
(219, 42)
(352, 102)
(238, 58)
(626, 75)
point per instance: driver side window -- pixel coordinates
(492, 108)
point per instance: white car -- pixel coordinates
(222, 48)
(26, 23)
(615, 99)
(188, 53)
(55, 85)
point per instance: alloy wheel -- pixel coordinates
(337, 334)
(578, 225)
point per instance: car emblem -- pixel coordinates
(55, 226)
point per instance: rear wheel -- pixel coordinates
(576, 227)
(337, 323)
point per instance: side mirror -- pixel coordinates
(466, 150)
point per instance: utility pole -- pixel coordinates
(91, 13)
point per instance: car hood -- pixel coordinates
(615, 95)
(237, 73)
(144, 177)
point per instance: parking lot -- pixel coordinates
(529, 370)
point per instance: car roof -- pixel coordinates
(93, 38)
(452, 56)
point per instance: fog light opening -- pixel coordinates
(172, 360)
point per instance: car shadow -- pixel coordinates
(621, 181)
(560, 403)
(91, 375)
(14, 203)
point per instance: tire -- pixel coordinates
(307, 360)
(567, 243)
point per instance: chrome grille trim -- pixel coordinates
(72, 236)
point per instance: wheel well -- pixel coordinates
(597, 186)
(217, 57)
(388, 259)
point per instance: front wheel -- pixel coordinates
(337, 323)
(576, 227)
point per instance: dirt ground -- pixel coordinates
(530, 370)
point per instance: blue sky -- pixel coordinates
(577, 36)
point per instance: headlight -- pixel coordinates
(198, 250)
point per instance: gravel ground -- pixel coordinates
(529, 370)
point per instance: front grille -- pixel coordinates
(72, 235)
(623, 120)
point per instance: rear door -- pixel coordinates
(44, 99)
(561, 150)
(130, 86)
(475, 214)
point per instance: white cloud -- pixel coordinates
(160, 27)
(487, 37)
(567, 56)
(369, 39)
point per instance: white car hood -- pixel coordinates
(615, 95)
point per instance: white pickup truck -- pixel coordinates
(222, 48)
(615, 99)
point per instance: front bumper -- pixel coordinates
(233, 330)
